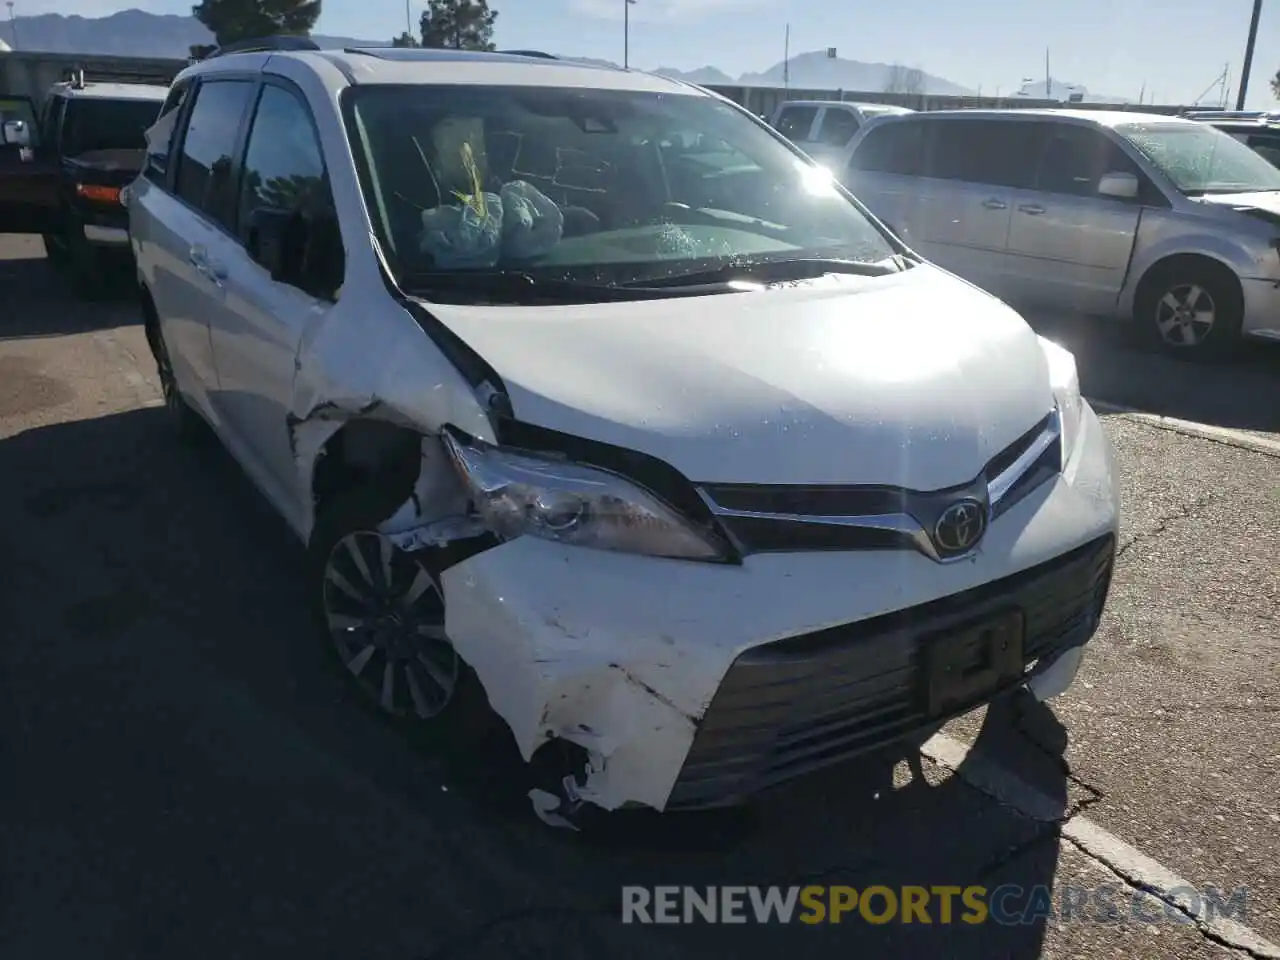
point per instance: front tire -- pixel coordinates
(381, 613)
(1192, 309)
(188, 424)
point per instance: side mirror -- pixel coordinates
(17, 133)
(1122, 186)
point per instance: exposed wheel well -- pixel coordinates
(1185, 263)
(368, 453)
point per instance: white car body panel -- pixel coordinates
(916, 379)
(562, 638)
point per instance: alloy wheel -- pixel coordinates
(385, 616)
(1185, 315)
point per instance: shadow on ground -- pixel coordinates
(39, 300)
(188, 777)
(1239, 393)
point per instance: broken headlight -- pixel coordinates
(1065, 382)
(519, 494)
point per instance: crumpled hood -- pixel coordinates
(915, 379)
(1268, 202)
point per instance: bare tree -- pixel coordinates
(1275, 85)
(906, 80)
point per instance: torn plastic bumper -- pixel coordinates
(630, 656)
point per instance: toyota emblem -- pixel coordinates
(961, 526)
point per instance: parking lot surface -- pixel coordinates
(187, 777)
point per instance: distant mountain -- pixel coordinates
(129, 33)
(704, 75)
(817, 71)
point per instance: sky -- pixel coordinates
(1176, 49)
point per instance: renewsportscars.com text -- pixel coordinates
(1008, 904)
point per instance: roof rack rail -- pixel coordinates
(529, 53)
(1206, 114)
(77, 77)
(283, 41)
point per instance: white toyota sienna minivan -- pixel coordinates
(600, 409)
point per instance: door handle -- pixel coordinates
(1032, 208)
(991, 203)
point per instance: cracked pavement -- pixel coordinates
(186, 776)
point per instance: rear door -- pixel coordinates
(960, 212)
(1069, 246)
(189, 209)
(28, 171)
(884, 169)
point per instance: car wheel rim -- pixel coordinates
(1185, 315)
(385, 616)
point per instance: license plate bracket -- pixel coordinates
(964, 666)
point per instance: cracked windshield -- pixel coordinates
(639, 480)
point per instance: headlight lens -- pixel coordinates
(1066, 393)
(519, 494)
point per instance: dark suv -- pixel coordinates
(61, 177)
(1259, 130)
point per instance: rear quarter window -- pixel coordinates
(894, 147)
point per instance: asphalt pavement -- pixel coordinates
(184, 774)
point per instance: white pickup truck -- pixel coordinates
(823, 128)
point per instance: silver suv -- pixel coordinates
(1168, 221)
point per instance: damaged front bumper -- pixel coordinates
(691, 684)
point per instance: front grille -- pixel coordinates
(763, 518)
(843, 500)
(806, 702)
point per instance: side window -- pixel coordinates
(1075, 158)
(794, 123)
(284, 172)
(893, 147)
(160, 134)
(204, 165)
(838, 127)
(1001, 153)
(1267, 146)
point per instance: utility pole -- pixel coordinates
(1248, 55)
(408, 19)
(626, 33)
(1048, 83)
(13, 24)
(786, 60)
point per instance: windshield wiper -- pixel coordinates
(776, 271)
(512, 286)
